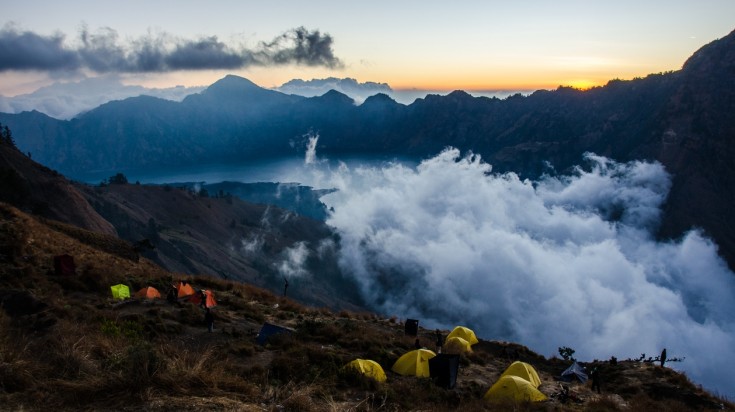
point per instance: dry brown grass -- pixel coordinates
(17, 371)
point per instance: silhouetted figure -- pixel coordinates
(173, 294)
(285, 286)
(203, 297)
(663, 357)
(596, 379)
(209, 320)
(439, 341)
(417, 344)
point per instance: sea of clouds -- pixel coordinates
(562, 261)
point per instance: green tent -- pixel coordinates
(120, 291)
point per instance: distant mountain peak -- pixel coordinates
(379, 99)
(460, 94)
(232, 82)
(233, 89)
(334, 96)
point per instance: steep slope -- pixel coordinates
(35, 188)
(697, 145)
(67, 346)
(229, 238)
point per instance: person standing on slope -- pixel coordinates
(209, 320)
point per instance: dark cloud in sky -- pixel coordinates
(207, 53)
(302, 47)
(103, 52)
(30, 51)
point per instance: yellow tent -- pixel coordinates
(414, 363)
(368, 368)
(464, 333)
(523, 370)
(513, 388)
(456, 345)
(120, 292)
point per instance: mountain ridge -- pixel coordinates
(679, 118)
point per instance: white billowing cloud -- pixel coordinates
(310, 155)
(563, 261)
(293, 260)
(253, 244)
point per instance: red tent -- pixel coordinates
(64, 265)
(209, 301)
(148, 292)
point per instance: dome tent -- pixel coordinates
(204, 298)
(184, 289)
(369, 368)
(414, 363)
(523, 370)
(575, 371)
(513, 388)
(456, 345)
(464, 333)
(148, 292)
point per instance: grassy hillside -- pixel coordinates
(183, 230)
(227, 237)
(66, 345)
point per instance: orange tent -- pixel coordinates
(209, 301)
(148, 292)
(184, 290)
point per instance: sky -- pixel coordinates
(424, 45)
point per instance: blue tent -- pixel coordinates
(576, 371)
(268, 330)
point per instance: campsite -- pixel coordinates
(99, 338)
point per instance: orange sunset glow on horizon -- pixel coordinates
(472, 46)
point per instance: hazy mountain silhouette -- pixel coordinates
(317, 87)
(65, 100)
(682, 119)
